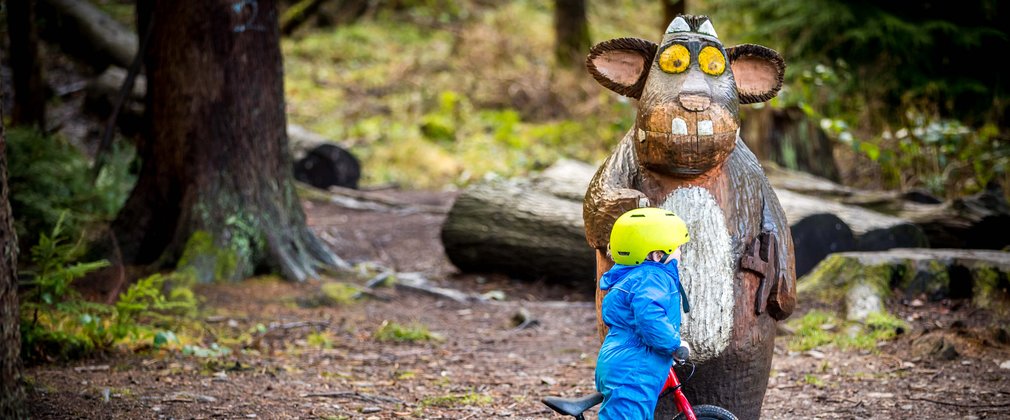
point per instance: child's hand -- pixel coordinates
(683, 353)
(675, 256)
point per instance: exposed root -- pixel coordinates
(299, 258)
(283, 260)
(318, 250)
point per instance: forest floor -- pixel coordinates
(310, 361)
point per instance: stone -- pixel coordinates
(934, 346)
(328, 165)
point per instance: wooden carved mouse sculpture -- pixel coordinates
(684, 154)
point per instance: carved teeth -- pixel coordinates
(705, 128)
(680, 127)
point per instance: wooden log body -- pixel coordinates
(726, 209)
(685, 154)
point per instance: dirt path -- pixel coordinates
(324, 362)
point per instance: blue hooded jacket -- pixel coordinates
(642, 311)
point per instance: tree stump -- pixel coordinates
(863, 281)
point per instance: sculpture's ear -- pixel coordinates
(622, 64)
(758, 72)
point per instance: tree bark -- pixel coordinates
(11, 393)
(29, 88)
(572, 30)
(215, 193)
(672, 8)
(789, 138)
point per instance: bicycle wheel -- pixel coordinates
(709, 412)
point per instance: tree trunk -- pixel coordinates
(11, 394)
(29, 89)
(215, 193)
(789, 138)
(572, 30)
(672, 8)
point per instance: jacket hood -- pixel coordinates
(615, 275)
(619, 272)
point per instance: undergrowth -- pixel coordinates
(50, 179)
(57, 323)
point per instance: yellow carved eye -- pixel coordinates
(712, 61)
(675, 59)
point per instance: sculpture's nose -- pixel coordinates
(694, 94)
(695, 102)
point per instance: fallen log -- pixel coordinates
(103, 92)
(821, 227)
(972, 222)
(513, 228)
(533, 228)
(979, 221)
(85, 32)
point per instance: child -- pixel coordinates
(641, 310)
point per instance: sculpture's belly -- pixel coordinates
(707, 271)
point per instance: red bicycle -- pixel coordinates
(576, 406)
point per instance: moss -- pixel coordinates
(938, 276)
(339, 293)
(831, 280)
(810, 332)
(208, 262)
(453, 400)
(392, 331)
(819, 328)
(990, 290)
(323, 340)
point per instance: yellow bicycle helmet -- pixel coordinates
(640, 231)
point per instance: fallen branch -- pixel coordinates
(355, 395)
(93, 368)
(361, 200)
(417, 283)
(961, 405)
(297, 324)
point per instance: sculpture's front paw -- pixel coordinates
(608, 207)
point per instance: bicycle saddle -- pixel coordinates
(573, 406)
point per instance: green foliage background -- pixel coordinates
(441, 93)
(913, 86)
